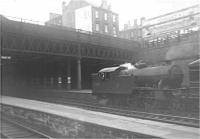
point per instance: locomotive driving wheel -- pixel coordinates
(175, 105)
(150, 104)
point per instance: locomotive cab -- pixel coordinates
(113, 80)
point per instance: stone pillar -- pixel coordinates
(1, 46)
(68, 75)
(0, 32)
(52, 82)
(79, 73)
(44, 82)
(44, 76)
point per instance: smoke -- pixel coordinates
(182, 51)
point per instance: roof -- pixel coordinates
(177, 11)
(89, 2)
(110, 69)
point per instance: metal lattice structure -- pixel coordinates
(33, 38)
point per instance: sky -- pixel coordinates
(39, 10)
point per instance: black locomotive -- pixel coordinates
(145, 86)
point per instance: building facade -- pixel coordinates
(180, 21)
(98, 20)
(68, 12)
(54, 19)
(132, 32)
(105, 21)
(177, 21)
(82, 15)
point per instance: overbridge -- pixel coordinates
(57, 40)
(58, 56)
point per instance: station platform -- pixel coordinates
(147, 127)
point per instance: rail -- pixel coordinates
(192, 122)
(12, 129)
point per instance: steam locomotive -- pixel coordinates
(146, 86)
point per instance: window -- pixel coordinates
(96, 14)
(106, 28)
(105, 16)
(114, 31)
(104, 75)
(132, 34)
(114, 18)
(97, 27)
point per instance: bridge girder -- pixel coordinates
(18, 37)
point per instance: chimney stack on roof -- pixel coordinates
(142, 19)
(104, 4)
(63, 3)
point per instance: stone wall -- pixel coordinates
(57, 126)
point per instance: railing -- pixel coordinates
(24, 20)
(174, 32)
(166, 38)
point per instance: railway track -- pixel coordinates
(12, 129)
(186, 121)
